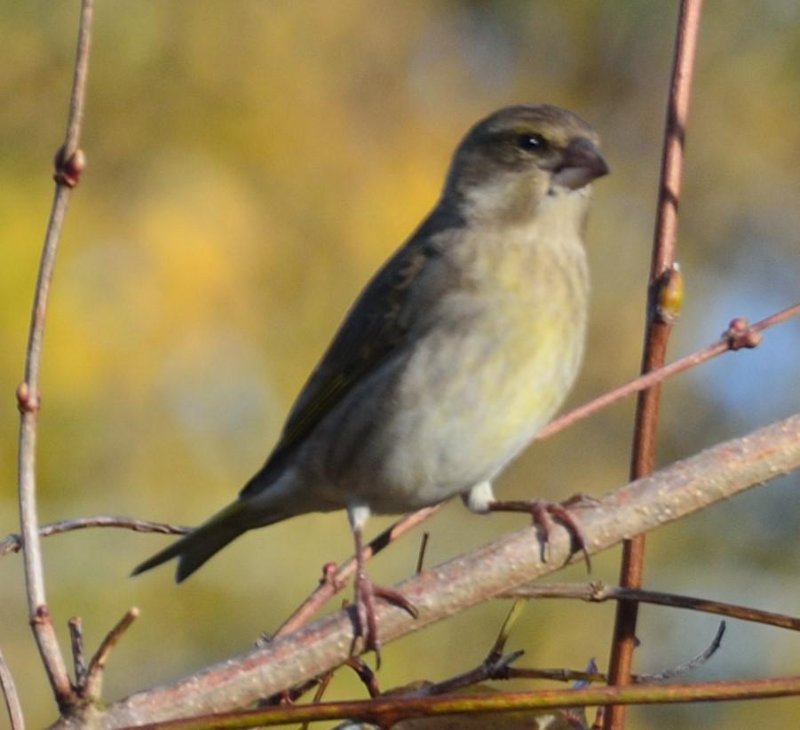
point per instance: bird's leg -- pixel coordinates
(481, 499)
(366, 592)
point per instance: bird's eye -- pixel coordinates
(532, 142)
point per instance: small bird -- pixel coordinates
(457, 352)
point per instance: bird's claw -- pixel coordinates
(367, 625)
(543, 514)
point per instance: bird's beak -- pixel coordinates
(580, 163)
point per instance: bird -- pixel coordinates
(459, 349)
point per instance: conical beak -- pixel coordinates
(581, 162)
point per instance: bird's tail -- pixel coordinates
(202, 543)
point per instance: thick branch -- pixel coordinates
(681, 489)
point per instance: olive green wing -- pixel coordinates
(373, 329)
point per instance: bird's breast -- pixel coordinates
(489, 368)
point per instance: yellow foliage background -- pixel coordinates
(250, 165)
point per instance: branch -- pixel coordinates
(13, 543)
(69, 165)
(440, 592)
(664, 298)
(599, 593)
(387, 711)
(9, 690)
(94, 672)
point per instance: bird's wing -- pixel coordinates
(373, 329)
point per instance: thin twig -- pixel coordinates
(388, 710)
(738, 335)
(13, 543)
(662, 270)
(571, 675)
(9, 689)
(693, 663)
(94, 673)
(599, 593)
(498, 667)
(69, 164)
(334, 580)
(75, 625)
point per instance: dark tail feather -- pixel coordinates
(198, 546)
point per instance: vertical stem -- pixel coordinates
(69, 164)
(657, 333)
(9, 690)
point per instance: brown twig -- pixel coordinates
(69, 165)
(9, 689)
(738, 335)
(388, 710)
(13, 543)
(498, 667)
(75, 625)
(571, 675)
(599, 593)
(94, 673)
(662, 273)
(423, 548)
(494, 666)
(334, 580)
(692, 664)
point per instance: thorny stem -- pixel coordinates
(69, 164)
(657, 333)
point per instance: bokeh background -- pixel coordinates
(250, 165)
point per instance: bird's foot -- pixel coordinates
(366, 593)
(544, 514)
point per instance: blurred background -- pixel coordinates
(250, 165)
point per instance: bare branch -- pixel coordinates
(387, 710)
(75, 625)
(738, 335)
(334, 579)
(9, 689)
(94, 673)
(662, 297)
(444, 590)
(599, 593)
(13, 543)
(69, 165)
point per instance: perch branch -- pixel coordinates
(442, 591)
